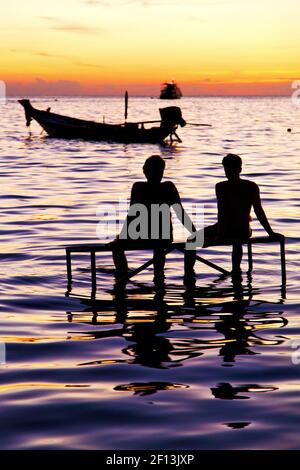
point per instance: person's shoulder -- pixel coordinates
(138, 184)
(169, 186)
(250, 184)
(170, 192)
(221, 185)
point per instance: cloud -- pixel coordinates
(97, 3)
(32, 52)
(43, 54)
(42, 87)
(76, 28)
(146, 3)
(86, 64)
(59, 24)
(38, 53)
(46, 55)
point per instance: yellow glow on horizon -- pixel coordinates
(106, 45)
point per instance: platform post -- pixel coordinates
(283, 261)
(69, 266)
(93, 273)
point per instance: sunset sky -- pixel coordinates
(220, 47)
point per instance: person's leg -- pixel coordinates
(120, 260)
(203, 237)
(189, 263)
(211, 236)
(237, 255)
(159, 259)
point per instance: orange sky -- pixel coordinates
(211, 47)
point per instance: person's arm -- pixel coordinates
(134, 196)
(133, 200)
(222, 217)
(180, 211)
(260, 213)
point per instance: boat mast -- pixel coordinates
(126, 105)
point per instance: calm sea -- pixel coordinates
(212, 369)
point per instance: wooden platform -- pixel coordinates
(92, 249)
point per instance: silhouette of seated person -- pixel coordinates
(147, 346)
(235, 197)
(149, 222)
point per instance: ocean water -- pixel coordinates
(213, 368)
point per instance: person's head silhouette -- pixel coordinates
(154, 169)
(232, 166)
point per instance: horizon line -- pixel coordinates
(93, 95)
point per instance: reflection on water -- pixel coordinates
(146, 324)
(228, 392)
(148, 388)
(162, 332)
(206, 366)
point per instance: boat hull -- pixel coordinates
(64, 127)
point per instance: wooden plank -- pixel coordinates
(92, 248)
(87, 247)
(212, 265)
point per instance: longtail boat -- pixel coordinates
(65, 127)
(170, 91)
